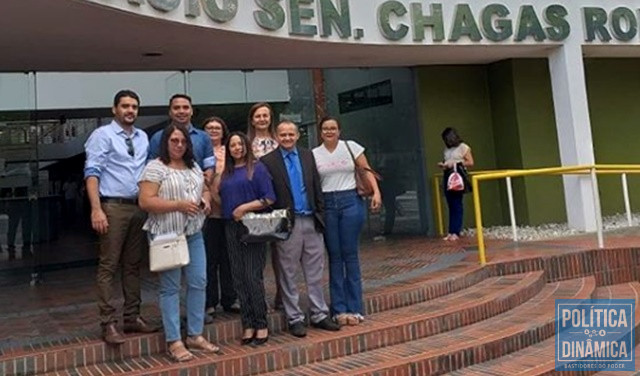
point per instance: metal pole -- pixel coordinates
(476, 206)
(438, 198)
(627, 203)
(185, 81)
(596, 204)
(512, 211)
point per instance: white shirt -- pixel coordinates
(336, 168)
(174, 184)
(457, 153)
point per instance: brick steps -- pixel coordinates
(485, 299)
(88, 351)
(625, 373)
(530, 323)
(539, 359)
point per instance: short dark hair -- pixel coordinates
(177, 96)
(164, 145)
(326, 119)
(451, 138)
(123, 94)
(225, 129)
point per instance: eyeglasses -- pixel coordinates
(130, 150)
(329, 130)
(177, 141)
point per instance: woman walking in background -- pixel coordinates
(344, 217)
(173, 192)
(219, 279)
(457, 157)
(245, 186)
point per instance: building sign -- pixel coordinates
(369, 96)
(595, 335)
(419, 22)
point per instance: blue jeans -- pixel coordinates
(344, 217)
(454, 201)
(196, 277)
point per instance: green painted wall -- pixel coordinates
(613, 88)
(505, 112)
(525, 137)
(538, 140)
(506, 135)
(458, 96)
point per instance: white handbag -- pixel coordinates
(168, 251)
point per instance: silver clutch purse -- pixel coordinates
(266, 227)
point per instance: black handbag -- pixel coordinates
(265, 227)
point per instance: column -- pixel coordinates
(574, 131)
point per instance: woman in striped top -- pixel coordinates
(173, 192)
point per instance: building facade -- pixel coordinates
(527, 84)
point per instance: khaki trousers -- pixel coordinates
(122, 246)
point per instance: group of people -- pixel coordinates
(200, 183)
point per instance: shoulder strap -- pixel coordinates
(355, 165)
(353, 158)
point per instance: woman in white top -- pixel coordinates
(173, 192)
(344, 217)
(261, 134)
(456, 154)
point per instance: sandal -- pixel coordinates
(341, 319)
(199, 343)
(352, 320)
(178, 353)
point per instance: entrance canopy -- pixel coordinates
(134, 35)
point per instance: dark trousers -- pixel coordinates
(19, 212)
(219, 280)
(247, 266)
(122, 245)
(389, 202)
(454, 201)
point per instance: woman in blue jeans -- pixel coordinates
(344, 217)
(456, 154)
(173, 192)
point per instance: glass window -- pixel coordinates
(376, 108)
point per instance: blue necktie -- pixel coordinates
(296, 181)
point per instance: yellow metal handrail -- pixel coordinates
(438, 195)
(478, 176)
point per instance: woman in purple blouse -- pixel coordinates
(245, 186)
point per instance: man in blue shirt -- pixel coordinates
(180, 113)
(297, 186)
(116, 156)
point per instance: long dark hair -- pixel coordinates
(249, 158)
(251, 132)
(451, 138)
(164, 145)
(225, 129)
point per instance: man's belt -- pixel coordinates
(119, 200)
